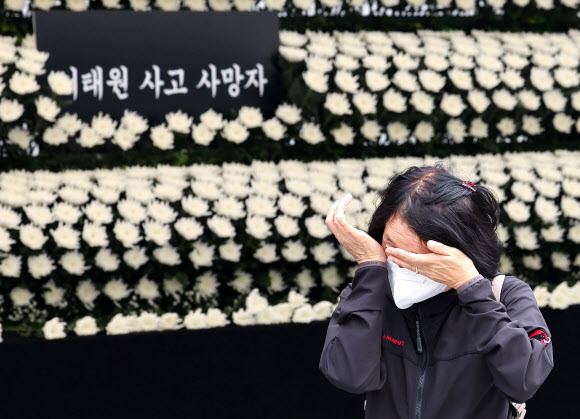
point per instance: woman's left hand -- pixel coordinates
(445, 264)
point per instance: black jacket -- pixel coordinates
(453, 356)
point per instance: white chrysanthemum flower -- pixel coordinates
(405, 81)
(560, 260)
(206, 286)
(54, 136)
(242, 317)
(456, 129)
(20, 137)
(46, 108)
(436, 62)
(343, 135)
(526, 238)
(69, 123)
(10, 266)
(65, 236)
(259, 205)
(529, 100)
(103, 125)
(486, 79)
(98, 213)
(32, 236)
(274, 129)
(10, 110)
(517, 210)
(563, 123)
(87, 293)
(452, 104)
(331, 278)
(89, 138)
(242, 282)
(188, 228)
(106, 260)
(195, 319)
(324, 253)
(235, 132)
(73, 262)
(167, 255)
(560, 296)
(294, 251)
(311, 133)
(554, 233)
(304, 314)
(397, 131)
(506, 127)
(542, 295)
(202, 254)
(147, 289)
(554, 100)
(337, 104)
(523, 191)
(547, 210)
(230, 251)
(570, 207)
(116, 289)
(162, 137)
(54, 329)
(119, 324)
(422, 102)
(394, 101)
(371, 130)
(376, 81)
(126, 233)
(533, 262)
(179, 122)
(305, 281)
(251, 117)
(170, 321)
(574, 233)
(202, 134)
(23, 84)
(266, 253)
(288, 113)
(315, 80)
(541, 79)
(478, 128)
(135, 257)
(157, 232)
(86, 326)
(431, 80)
(172, 286)
(532, 125)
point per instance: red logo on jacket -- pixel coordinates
(395, 341)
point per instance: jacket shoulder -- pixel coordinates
(514, 288)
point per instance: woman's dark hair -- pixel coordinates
(437, 207)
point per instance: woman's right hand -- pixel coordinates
(358, 243)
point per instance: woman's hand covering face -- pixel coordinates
(358, 243)
(445, 264)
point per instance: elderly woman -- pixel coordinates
(419, 329)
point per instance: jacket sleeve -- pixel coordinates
(514, 337)
(351, 358)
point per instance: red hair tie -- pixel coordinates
(469, 185)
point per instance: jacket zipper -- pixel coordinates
(423, 365)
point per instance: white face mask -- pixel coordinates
(409, 287)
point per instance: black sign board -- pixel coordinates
(158, 62)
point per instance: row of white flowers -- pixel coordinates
(540, 93)
(283, 5)
(257, 311)
(85, 239)
(513, 83)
